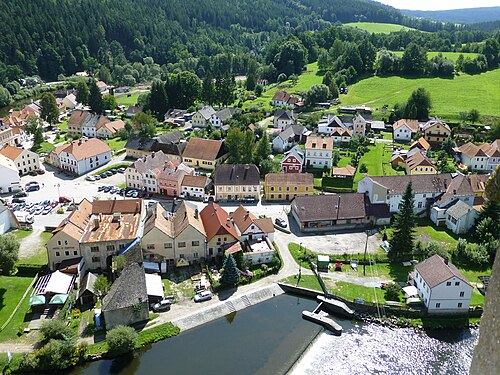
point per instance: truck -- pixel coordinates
(24, 218)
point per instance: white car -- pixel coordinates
(204, 295)
(90, 178)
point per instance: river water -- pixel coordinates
(268, 338)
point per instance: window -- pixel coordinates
(75, 252)
(150, 246)
(66, 242)
(462, 294)
(457, 283)
(58, 254)
(168, 245)
(195, 243)
(448, 283)
(94, 249)
(121, 246)
(438, 305)
(59, 243)
(110, 248)
(182, 244)
(181, 256)
(66, 253)
(459, 304)
(195, 255)
(96, 259)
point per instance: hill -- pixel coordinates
(471, 15)
(447, 95)
(378, 28)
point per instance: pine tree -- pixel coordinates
(95, 98)
(230, 273)
(208, 89)
(402, 228)
(158, 100)
(49, 110)
(263, 149)
(247, 147)
(82, 93)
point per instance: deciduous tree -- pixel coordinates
(9, 253)
(48, 108)
(82, 92)
(95, 98)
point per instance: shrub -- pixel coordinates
(55, 329)
(121, 339)
(392, 292)
(55, 355)
(363, 168)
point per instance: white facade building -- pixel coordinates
(442, 287)
(319, 152)
(9, 181)
(25, 160)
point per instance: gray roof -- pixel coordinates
(144, 144)
(330, 207)
(226, 113)
(284, 114)
(171, 137)
(127, 290)
(459, 209)
(154, 145)
(424, 183)
(207, 112)
(291, 131)
(378, 125)
(333, 121)
(237, 174)
(435, 271)
(87, 284)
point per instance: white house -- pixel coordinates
(288, 137)
(441, 286)
(7, 219)
(430, 191)
(202, 118)
(110, 129)
(319, 152)
(404, 129)
(284, 118)
(460, 217)
(484, 157)
(70, 102)
(10, 182)
(25, 160)
(250, 228)
(359, 124)
(81, 156)
(328, 124)
(194, 186)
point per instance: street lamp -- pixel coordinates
(58, 190)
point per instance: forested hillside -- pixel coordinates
(49, 38)
(470, 15)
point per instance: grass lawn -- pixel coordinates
(306, 281)
(428, 231)
(447, 95)
(127, 99)
(21, 234)
(12, 289)
(352, 291)
(114, 166)
(378, 28)
(449, 55)
(116, 143)
(389, 271)
(44, 147)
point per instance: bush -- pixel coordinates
(392, 292)
(55, 329)
(55, 355)
(156, 334)
(121, 339)
(363, 168)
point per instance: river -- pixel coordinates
(269, 337)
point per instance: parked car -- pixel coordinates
(33, 173)
(18, 200)
(21, 194)
(135, 194)
(90, 178)
(163, 305)
(121, 170)
(113, 170)
(386, 246)
(54, 204)
(32, 187)
(97, 178)
(103, 175)
(280, 222)
(204, 295)
(249, 200)
(46, 203)
(109, 173)
(40, 171)
(64, 200)
(107, 189)
(47, 210)
(38, 210)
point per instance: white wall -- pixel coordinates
(403, 133)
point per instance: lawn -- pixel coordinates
(449, 55)
(12, 289)
(350, 292)
(443, 235)
(447, 95)
(377, 160)
(378, 28)
(21, 234)
(128, 99)
(116, 144)
(390, 271)
(114, 166)
(44, 147)
(306, 281)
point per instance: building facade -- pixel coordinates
(319, 152)
(234, 182)
(287, 186)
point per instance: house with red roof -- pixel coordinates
(219, 228)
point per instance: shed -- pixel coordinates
(323, 262)
(87, 293)
(154, 287)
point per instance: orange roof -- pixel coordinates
(289, 179)
(195, 181)
(11, 152)
(115, 126)
(421, 143)
(319, 143)
(217, 222)
(411, 124)
(84, 148)
(244, 218)
(203, 149)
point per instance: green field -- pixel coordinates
(449, 96)
(449, 55)
(128, 99)
(378, 28)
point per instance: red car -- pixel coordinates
(40, 171)
(64, 200)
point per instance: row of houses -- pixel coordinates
(87, 124)
(433, 131)
(484, 157)
(174, 233)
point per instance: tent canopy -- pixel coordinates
(37, 300)
(58, 299)
(410, 291)
(154, 285)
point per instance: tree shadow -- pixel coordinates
(2, 293)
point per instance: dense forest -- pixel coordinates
(48, 38)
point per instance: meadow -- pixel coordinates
(449, 55)
(379, 28)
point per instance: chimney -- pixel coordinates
(445, 260)
(196, 214)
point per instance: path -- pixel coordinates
(30, 245)
(15, 347)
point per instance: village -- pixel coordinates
(135, 221)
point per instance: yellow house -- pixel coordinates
(204, 153)
(436, 131)
(419, 163)
(286, 186)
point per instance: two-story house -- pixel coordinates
(419, 163)
(204, 153)
(25, 160)
(329, 123)
(293, 160)
(442, 286)
(141, 174)
(484, 157)
(288, 137)
(286, 186)
(219, 229)
(319, 152)
(110, 130)
(403, 130)
(178, 239)
(202, 118)
(234, 182)
(436, 131)
(251, 228)
(170, 177)
(284, 118)
(81, 156)
(195, 186)
(85, 123)
(170, 144)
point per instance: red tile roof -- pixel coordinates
(217, 222)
